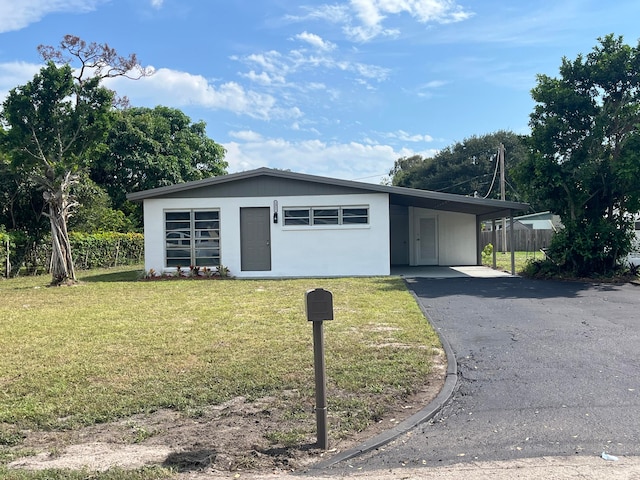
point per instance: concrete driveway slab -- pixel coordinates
(473, 271)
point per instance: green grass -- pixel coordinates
(503, 260)
(114, 346)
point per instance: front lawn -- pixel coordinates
(503, 260)
(114, 346)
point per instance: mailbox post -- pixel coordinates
(319, 307)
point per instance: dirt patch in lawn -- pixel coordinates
(258, 436)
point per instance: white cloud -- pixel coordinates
(276, 66)
(371, 71)
(181, 89)
(246, 135)
(433, 84)
(351, 161)
(17, 14)
(426, 90)
(271, 61)
(363, 20)
(157, 3)
(14, 74)
(264, 78)
(316, 41)
(330, 13)
(373, 12)
(368, 12)
(408, 137)
(366, 33)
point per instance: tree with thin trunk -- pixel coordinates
(55, 121)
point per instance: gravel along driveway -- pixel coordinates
(544, 369)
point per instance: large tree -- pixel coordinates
(54, 120)
(585, 156)
(464, 168)
(148, 148)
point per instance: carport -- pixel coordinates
(414, 217)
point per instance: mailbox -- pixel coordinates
(319, 305)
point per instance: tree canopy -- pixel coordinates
(53, 120)
(585, 154)
(464, 168)
(64, 126)
(147, 148)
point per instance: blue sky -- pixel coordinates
(339, 88)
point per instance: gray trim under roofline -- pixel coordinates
(487, 208)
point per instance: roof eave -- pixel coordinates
(491, 208)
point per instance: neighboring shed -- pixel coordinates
(274, 223)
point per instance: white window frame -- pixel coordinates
(319, 217)
(191, 238)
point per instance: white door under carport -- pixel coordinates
(426, 239)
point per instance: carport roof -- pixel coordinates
(484, 209)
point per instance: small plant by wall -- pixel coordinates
(192, 272)
(487, 253)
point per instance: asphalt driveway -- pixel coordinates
(544, 369)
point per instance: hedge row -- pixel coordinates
(89, 251)
(106, 249)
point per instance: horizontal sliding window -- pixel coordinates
(326, 216)
(355, 215)
(297, 216)
(317, 216)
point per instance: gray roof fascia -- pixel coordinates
(205, 182)
(491, 208)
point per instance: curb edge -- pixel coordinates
(424, 415)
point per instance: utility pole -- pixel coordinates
(502, 196)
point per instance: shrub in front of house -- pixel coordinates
(192, 272)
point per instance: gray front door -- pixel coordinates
(255, 239)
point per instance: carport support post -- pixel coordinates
(494, 239)
(513, 245)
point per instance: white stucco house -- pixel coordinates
(273, 223)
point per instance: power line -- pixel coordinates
(460, 183)
(495, 173)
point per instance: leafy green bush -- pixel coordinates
(487, 252)
(589, 248)
(545, 268)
